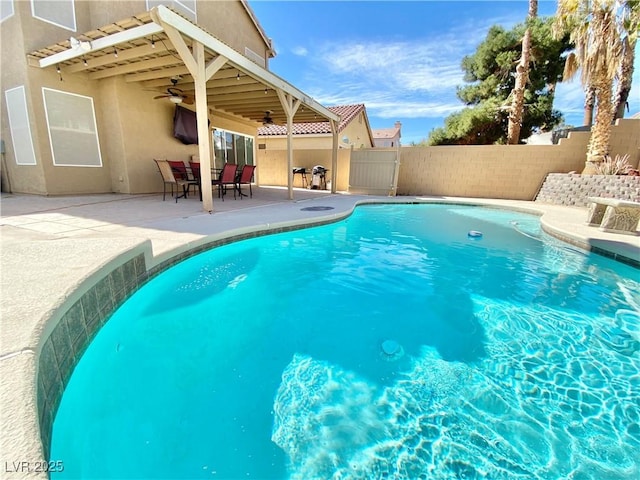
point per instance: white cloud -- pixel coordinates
(300, 51)
(418, 76)
(409, 109)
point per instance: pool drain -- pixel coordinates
(319, 208)
(391, 350)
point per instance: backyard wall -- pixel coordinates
(503, 171)
(514, 172)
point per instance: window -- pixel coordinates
(6, 9)
(185, 7)
(230, 147)
(19, 126)
(72, 127)
(59, 12)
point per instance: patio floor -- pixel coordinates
(50, 245)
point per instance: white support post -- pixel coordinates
(201, 72)
(334, 155)
(290, 106)
(202, 117)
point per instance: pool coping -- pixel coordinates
(72, 321)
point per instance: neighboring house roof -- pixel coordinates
(347, 114)
(384, 133)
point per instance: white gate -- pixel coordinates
(374, 171)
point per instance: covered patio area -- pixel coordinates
(161, 50)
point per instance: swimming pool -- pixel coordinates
(390, 344)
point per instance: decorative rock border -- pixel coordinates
(575, 189)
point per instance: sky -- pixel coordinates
(400, 58)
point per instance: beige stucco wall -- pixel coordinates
(140, 129)
(217, 17)
(272, 166)
(133, 129)
(357, 133)
(213, 16)
(23, 178)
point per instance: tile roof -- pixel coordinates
(347, 114)
(385, 132)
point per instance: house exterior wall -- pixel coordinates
(216, 17)
(357, 132)
(14, 74)
(132, 128)
(387, 142)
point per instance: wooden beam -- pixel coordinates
(161, 62)
(164, 73)
(183, 50)
(108, 59)
(100, 43)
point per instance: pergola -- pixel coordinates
(155, 46)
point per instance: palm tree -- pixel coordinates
(522, 76)
(631, 21)
(595, 30)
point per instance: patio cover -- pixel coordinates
(217, 75)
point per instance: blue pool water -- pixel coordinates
(388, 345)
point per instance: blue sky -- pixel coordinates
(400, 58)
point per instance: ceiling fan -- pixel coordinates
(267, 120)
(175, 94)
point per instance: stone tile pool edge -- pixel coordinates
(74, 324)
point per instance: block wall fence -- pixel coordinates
(515, 172)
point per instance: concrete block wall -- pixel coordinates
(574, 189)
(514, 172)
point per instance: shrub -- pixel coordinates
(614, 166)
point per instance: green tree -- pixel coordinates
(630, 23)
(490, 77)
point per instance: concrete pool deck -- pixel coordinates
(52, 245)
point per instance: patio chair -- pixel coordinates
(182, 172)
(227, 177)
(169, 178)
(245, 177)
(195, 172)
